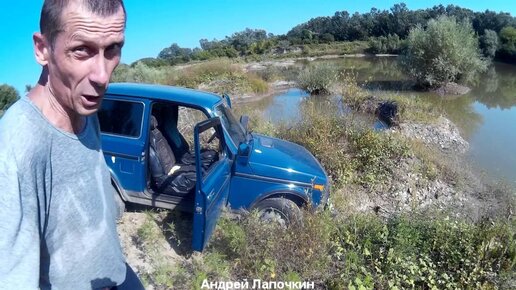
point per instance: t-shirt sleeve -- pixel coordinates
(19, 230)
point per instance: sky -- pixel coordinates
(155, 24)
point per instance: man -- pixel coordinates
(57, 210)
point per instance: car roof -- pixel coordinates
(165, 93)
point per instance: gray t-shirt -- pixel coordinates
(57, 210)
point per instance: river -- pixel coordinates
(486, 116)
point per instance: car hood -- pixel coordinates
(281, 159)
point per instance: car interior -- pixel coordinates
(171, 162)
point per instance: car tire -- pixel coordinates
(282, 210)
(120, 205)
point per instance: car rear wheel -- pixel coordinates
(281, 210)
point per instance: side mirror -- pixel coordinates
(243, 153)
(244, 121)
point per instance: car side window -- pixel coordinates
(188, 118)
(123, 118)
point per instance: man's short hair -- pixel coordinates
(50, 21)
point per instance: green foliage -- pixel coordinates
(508, 43)
(508, 36)
(489, 43)
(375, 154)
(140, 73)
(175, 54)
(424, 253)
(390, 44)
(8, 95)
(446, 51)
(362, 252)
(349, 155)
(219, 75)
(268, 251)
(151, 62)
(318, 78)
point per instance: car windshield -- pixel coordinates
(231, 124)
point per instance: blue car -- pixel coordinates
(177, 148)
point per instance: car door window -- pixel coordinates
(123, 118)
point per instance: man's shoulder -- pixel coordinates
(18, 119)
(21, 128)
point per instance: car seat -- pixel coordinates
(168, 176)
(168, 118)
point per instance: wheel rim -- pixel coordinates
(271, 214)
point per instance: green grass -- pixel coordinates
(361, 252)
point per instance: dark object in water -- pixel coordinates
(387, 112)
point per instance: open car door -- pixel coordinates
(212, 188)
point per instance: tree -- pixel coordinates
(242, 40)
(327, 38)
(489, 43)
(508, 43)
(175, 54)
(446, 51)
(508, 37)
(8, 95)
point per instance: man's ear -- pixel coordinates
(41, 48)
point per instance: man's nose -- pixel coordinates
(99, 72)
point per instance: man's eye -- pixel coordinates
(81, 50)
(113, 50)
(114, 47)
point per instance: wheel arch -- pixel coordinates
(116, 184)
(297, 198)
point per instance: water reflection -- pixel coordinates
(497, 88)
(286, 107)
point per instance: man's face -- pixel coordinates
(83, 57)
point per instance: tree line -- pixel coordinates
(385, 30)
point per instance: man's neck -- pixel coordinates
(54, 111)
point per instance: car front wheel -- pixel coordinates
(281, 210)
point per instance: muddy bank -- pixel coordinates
(443, 133)
(453, 89)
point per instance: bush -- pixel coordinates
(423, 253)
(318, 78)
(268, 251)
(444, 52)
(361, 252)
(140, 73)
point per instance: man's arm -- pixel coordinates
(19, 230)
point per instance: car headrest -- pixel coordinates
(154, 123)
